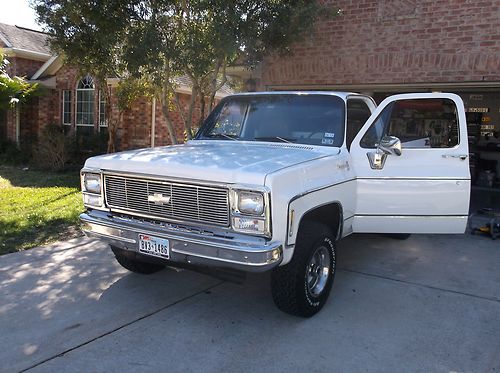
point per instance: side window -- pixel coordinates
(358, 113)
(418, 123)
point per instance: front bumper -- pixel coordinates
(203, 248)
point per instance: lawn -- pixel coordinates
(37, 207)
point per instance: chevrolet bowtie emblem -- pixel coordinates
(158, 199)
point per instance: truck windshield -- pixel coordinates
(303, 119)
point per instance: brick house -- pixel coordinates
(382, 47)
(75, 101)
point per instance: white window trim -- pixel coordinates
(64, 106)
(76, 104)
(105, 125)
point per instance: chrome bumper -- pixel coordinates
(185, 247)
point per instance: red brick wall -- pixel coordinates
(22, 66)
(29, 112)
(11, 124)
(396, 41)
(133, 132)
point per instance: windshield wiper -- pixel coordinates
(274, 138)
(222, 135)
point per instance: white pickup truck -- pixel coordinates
(274, 179)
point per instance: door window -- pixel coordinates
(358, 113)
(418, 123)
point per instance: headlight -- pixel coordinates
(251, 203)
(250, 212)
(92, 183)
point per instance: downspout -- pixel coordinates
(153, 122)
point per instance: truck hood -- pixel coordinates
(241, 162)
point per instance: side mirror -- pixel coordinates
(390, 145)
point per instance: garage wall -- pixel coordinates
(396, 42)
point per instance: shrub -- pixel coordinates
(10, 153)
(53, 149)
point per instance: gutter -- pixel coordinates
(25, 53)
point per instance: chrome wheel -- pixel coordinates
(318, 271)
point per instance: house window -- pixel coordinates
(66, 108)
(103, 122)
(85, 102)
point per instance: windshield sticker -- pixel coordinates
(327, 141)
(329, 134)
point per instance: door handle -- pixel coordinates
(463, 157)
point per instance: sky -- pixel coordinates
(18, 12)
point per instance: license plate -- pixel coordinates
(154, 246)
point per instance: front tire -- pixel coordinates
(301, 287)
(134, 265)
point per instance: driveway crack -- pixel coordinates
(122, 326)
(491, 299)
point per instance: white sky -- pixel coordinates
(18, 12)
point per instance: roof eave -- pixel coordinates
(49, 82)
(6, 41)
(45, 67)
(24, 53)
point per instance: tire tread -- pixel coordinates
(286, 281)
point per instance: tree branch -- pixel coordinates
(221, 63)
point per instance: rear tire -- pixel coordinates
(301, 287)
(135, 265)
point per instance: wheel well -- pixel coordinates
(329, 215)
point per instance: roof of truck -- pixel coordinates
(342, 95)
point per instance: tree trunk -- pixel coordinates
(214, 86)
(166, 115)
(106, 91)
(112, 129)
(202, 108)
(192, 103)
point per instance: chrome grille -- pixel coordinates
(188, 202)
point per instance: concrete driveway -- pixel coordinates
(431, 303)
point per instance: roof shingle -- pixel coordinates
(23, 38)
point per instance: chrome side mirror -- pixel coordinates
(389, 145)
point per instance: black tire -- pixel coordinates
(134, 265)
(289, 284)
(399, 236)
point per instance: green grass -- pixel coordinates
(37, 207)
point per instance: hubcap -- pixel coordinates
(318, 271)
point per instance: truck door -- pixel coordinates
(411, 162)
